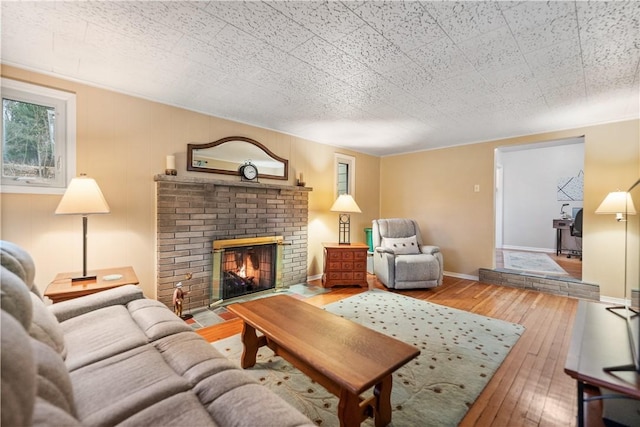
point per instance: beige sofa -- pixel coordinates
(116, 358)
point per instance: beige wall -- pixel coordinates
(122, 142)
(436, 188)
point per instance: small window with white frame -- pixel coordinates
(345, 172)
(38, 138)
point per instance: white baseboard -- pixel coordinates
(461, 276)
(446, 273)
(612, 300)
(527, 248)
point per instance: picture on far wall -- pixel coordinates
(571, 188)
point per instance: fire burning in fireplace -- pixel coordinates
(245, 266)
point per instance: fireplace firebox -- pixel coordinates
(246, 266)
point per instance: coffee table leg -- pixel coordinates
(349, 409)
(250, 341)
(382, 392)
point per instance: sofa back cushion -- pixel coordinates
(18, 373)
(394, 228)
(401, 245)
(19, 262)
(53, 380)
(45, 327)
(14, 297)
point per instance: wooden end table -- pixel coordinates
(344, 357)
(345, 264)
(62, 288)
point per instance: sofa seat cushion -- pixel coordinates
(182, 409)
(100, 334)
(153, 318)
(258, 406)
(416, 267)
(110, 391)
(192, 357)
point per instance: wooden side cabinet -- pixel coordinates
(345, 265)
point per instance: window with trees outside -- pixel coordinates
(345, 167)
(38, 138)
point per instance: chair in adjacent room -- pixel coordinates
(400, 259)
(575, 230)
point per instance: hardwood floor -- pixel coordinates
(530, 388)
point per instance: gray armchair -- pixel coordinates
(400, 260)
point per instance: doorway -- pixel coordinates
(535, 184)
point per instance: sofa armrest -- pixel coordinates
(428, 249)
(117, 296)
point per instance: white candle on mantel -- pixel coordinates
(301, 178)
(171, 162)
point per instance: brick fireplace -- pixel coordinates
(192, 213)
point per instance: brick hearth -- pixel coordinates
(193, 212)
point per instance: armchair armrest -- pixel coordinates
(428, 249)
(382, 250)
(117, 296)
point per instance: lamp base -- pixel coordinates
(344, 229)
(81, 279)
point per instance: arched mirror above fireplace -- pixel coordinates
(226, 155)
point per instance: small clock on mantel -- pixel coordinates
(248, 172)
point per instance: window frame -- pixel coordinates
(65, 105)
(350, 161)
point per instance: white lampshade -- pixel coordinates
(83, 197)
(617, 203)
(345, 203)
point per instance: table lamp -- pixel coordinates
(83, 197)
(345, 205)
(618, 203)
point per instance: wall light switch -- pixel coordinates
(476, 188)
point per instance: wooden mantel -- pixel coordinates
(227, 183)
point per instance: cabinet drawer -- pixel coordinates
(346, 266)
(334, 255)
(347, 255)
(335, 265)
(346, 275)
(334, 275)
(359, 265)
(359, 275)
(360, 255)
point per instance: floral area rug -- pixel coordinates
(459, 353)
(534, 262)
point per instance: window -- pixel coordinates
(343, 178)
(345, 167)
(38, 138)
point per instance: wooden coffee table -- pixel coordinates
(344, 357)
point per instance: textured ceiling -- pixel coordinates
(377, 77)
